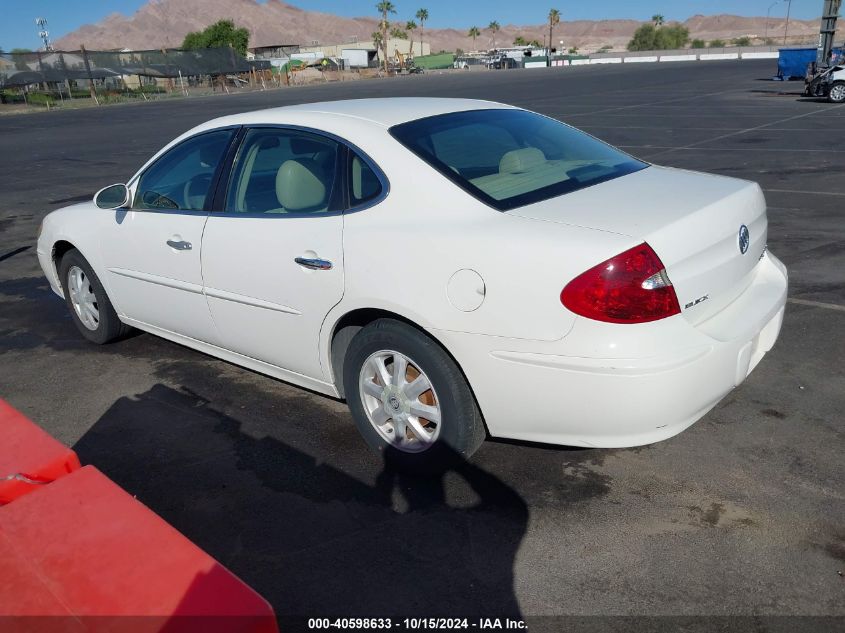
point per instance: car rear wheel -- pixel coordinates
(89, 306)
(409, 399)
(837, 92)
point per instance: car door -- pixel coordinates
(273, 258)
(152, 251)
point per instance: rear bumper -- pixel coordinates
(606, 385)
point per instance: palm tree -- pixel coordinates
(473, 33)
(422, 16)
(658, 20)
(398, 33)
(554, 20)
(385, 7)
(410, 27)
(519, 41)
(494, 28)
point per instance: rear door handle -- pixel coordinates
(179, 245)
(314, 263)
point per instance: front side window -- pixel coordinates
(283, 171)
(181, 179)
(511, 158)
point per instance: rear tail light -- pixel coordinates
(630, 288)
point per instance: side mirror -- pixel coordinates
(112, 197)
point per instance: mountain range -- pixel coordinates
(164, 23)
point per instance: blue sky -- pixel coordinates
(17, 17)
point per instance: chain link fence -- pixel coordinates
(44, 76)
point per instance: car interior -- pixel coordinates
(180, 179)
(277, 171)
(510, 158)
(283, 173)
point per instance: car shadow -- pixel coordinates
(313, 539)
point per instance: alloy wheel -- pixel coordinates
(400, 401)
(82, 298)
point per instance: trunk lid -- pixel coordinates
(691, 220)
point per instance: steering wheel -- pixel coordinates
(196, 187)
(155, 200)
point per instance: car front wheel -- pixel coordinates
(89, 306)
(837, 92)
(409, 399)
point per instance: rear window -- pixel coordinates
(511, 158)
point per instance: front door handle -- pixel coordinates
(314, 263)
(179, 245)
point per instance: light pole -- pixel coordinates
(786, 28)
(771, 6)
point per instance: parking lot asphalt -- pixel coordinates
(742, 514)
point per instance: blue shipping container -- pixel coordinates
(793, 62)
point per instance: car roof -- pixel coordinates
(384, 112)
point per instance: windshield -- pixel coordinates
(511, 158)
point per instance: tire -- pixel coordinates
(837, 92)
(450, 440)
(106, 327)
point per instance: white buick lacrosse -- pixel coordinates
(450, 267)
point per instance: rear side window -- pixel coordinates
(511, 158)
(283, 171)
(364, 185)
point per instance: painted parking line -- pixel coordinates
(803, 115)
(815, 193)
(657, 103)
(817, 304)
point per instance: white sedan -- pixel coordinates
(452, 268)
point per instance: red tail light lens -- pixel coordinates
(629, 288)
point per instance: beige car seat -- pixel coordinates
(301, 187)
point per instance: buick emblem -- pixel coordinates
(744, 239)
(394, 402)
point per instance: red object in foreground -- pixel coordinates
(28, 453)
(81, 547)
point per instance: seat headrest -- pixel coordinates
(521, 160)
(302, 145)
(300, 185)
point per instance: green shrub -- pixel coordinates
(651, 38)
(11, 96)
(40, 98)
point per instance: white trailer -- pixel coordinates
(355, 57)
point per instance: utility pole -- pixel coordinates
(88, 72)
(830, 14)
(786, 28)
